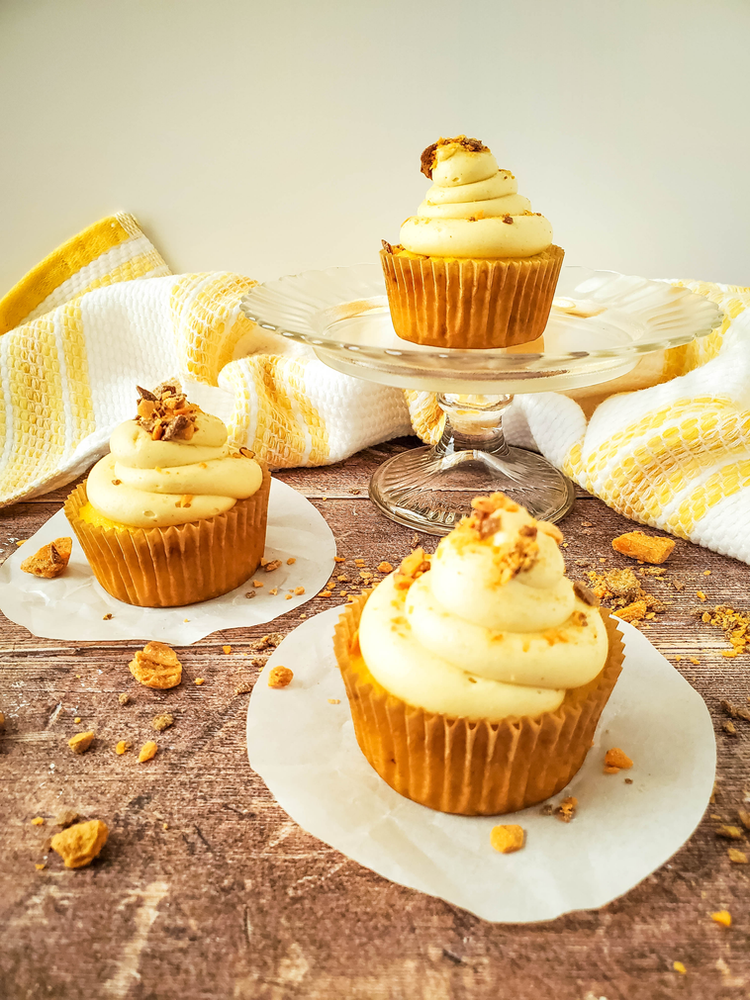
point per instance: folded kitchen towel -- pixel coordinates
(103, 313)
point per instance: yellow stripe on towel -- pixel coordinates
(61, 265)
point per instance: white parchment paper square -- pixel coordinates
(73, 606)
(305, 750)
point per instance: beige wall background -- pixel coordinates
(271, 137)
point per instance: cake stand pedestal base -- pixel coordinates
(430, 489)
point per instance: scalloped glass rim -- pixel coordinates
(308, 306)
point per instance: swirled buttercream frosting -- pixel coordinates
(170, 465)
(488, 627)
(473, 208)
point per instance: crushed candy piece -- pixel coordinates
(334, 701)
(199, 681)
(280, 677)
(51, 560)
(567, 809)
(81, 742)
(649, 548)
(122, 747)
(737, 857)
(385, 567)
(632, 612)
(80, 843)
(227, 650)
(165, 413)
(156, 666)
(37, 821)
(270, 641)
(148, 751)
(679, 967)
(729, 832)
(273, 565)
(507, 838)
(616, 760)
(723, 917)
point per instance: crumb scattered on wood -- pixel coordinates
(37, 821)
(269, 641)
(147, 752)
(648, 548)
(122, 747)
(80, 843)
(162, 722)
(66, 818)
(81, 741)
(736, 857)
(729, 832)
(280, 677)
(156, 666)
(123, 698)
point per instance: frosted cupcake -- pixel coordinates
(172, 515)
(475, 267)
(476, 678)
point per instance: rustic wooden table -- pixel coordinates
(206, 890)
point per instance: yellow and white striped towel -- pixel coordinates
(103, 312)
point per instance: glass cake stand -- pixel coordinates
(601, 325)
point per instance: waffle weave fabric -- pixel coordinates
(667, 445)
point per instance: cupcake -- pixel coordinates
(476, 677)
(475, 268)
(172, 515)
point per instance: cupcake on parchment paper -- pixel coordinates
(172, 515)
(475, 268)
(476, 677)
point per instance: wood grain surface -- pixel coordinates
(207, 890)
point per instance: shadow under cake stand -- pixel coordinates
(601, 325)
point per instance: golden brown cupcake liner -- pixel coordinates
(471, 767)
(181, 564)
(471, 304)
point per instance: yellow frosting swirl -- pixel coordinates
(473, 209)
(145, 483)
(493, 629)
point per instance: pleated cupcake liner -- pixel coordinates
(471, 304)
(471, 767)
(180, 564)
